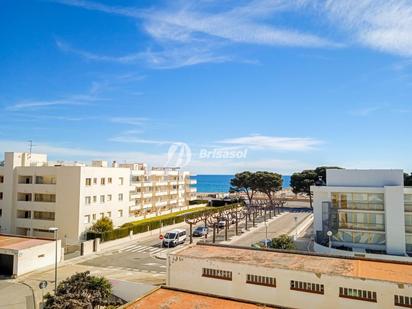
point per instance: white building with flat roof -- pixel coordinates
(36, 194)
(290, 279)
(366, 211)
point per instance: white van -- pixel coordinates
(174, 238)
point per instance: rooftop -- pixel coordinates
(174, 299)
(399, 272)
(11, 242)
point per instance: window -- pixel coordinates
(109, 180)
(95, 181)
(24, 197)
(88, 181)
(44, 215)
(45, 180)
(120, 196)
(217, 274)
(261, 280)
(94, 217)
(109, 214)
(46, 198)
(94, 199)
(102, 215)
(121, 180)
(25, 179)
(1, 212)
(403, 301)
(120, 213)
(102, 198)
(109, 197)
(86, 219)
(103, 181)
(23, 214)
(307, 287)
(1, 179)
(87, 200)
(358, 294)
(1, 196)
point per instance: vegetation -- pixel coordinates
(268, 183)
(283, 242)
(149, 224)
(102, 225)
(301, 182)
(82, 291)
(244, 182)
(408, 179)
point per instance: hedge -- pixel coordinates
(154, 223)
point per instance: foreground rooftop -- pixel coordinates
(393, 271)
(11, 242)
(176, 299)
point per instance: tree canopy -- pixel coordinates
(82, 291)
(283, 242)
(301, 182)
(407, 179)
(103, 225)
(244, 182)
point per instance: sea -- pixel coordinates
(221, 183)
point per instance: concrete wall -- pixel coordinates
(395, 220)
(186, 273)
(364, 178)
(37, 257)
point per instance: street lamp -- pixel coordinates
(55, 230)
(329, 233)
(296, 228)
(266, 238)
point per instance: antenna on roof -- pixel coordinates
(31, 146)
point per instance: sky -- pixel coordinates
(216, 87)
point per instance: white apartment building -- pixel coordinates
(366, 211)
(36, 194)
(290, 279)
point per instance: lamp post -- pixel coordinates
(329, 233)
(55, 230)
(296, 228)
(266, 238)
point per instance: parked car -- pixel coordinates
(200, 231)
(265, 243)
(221, 224)
(174, 238)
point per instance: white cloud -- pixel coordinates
(274, 142)
(385, 25)
(189, 33)
(73, 153)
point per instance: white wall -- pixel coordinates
(395, 220)
(364, 178)
(37, 257)
(186, 273)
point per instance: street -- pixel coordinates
(138, 261)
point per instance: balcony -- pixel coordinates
(147, 206)
(147, 184)
(408, 228)
(161, 204)
(362, 226)
(408, 207)
(193, 181)
(161, 183)
(147, 194)
(358, 205)
(135, 207)
(161, 193)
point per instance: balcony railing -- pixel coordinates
(358, 205)
(408, 228)
(362, 226)
(408, 207)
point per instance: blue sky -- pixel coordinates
(292, 83)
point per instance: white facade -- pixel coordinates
(365, 210)
(290, 280)
(36, 194)
(23, 254)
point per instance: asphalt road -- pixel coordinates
(140, 255)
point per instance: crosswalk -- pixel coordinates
(136, 248)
